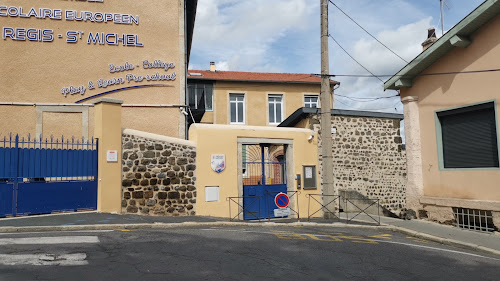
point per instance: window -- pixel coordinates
(275, 103)
(199, 91)
(311, 101)
(237, 108)
(467, 137)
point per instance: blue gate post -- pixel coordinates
(262, 163)
(14, 171)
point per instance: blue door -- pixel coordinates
(44, 176)
(264, 176)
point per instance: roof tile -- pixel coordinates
(255, 76)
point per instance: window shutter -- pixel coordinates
(469, 137)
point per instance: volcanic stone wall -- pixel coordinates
(368, 158)
(158, 175)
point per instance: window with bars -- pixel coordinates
(237, 108)
(275, 103)
(474, 219)
(311, 101)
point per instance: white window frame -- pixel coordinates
(311, 95)
(244, 108)
(282, 103)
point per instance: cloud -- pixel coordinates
(405, 41)
(240, 34)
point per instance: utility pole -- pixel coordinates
(326, 117)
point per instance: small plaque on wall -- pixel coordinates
(112, 156)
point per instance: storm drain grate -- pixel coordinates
(474, 219)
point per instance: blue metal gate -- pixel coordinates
(264, 176)
(44, 176)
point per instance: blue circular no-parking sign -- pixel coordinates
(281, 200)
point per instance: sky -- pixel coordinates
(284, 36)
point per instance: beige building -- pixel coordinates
(59, 56)
(249, 98)
(450, 96)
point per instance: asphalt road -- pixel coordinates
(235, 253)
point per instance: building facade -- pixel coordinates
(59, 56)
(369, 161)
(450, 97)
(249, 98)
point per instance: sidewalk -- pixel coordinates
(487, 242)
(451, 234)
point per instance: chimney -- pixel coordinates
(212, 66)
(431, 38)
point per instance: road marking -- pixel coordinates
(436, 249)
(288, 235)
(44, 232)
(382, 236)
(330, 238)
(49, 240)
(374, 240)
(354, 239)
(45, 259)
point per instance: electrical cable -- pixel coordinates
(366, 31)
(354, 58)
(411, 76)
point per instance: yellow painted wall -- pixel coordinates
(223, 139)
(36, 72)
(108, 129)
(17, 120)
(256, 107)
(447, 91)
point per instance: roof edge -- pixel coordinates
(301, 113)
(333, 82)
(442, 44)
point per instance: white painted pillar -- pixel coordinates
(415, 184)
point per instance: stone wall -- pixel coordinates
(158, 175)
(368, 157)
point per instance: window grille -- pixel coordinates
(474, 219)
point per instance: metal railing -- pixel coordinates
(349, 206)
(236, 200)
(49, 159)
(362, 211)
(290, 198)
(324, 207)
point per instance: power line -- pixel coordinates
(365, 109)
(411, 76)
(354, 58)
(366, 31)
(363, 99)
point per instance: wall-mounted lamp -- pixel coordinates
(310, 137)
(183, 111)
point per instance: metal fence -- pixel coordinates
(38, 159)
(241, 208)
(339, 207)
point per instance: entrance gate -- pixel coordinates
(39, 177)
(264, 176)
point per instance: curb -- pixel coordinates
(444, 241)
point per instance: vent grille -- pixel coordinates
(474, 219)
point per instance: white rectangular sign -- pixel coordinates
(112, 156)
(309, 172)
(284, 212)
